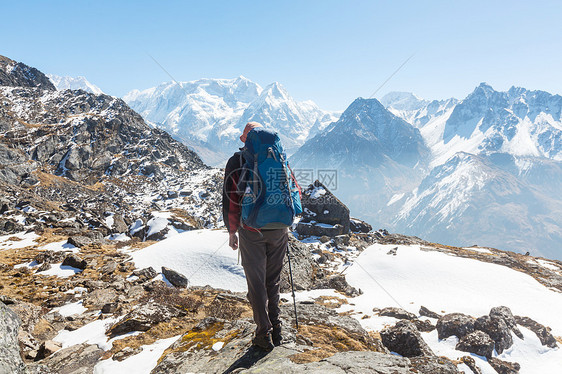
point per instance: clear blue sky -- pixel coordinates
(328, 51)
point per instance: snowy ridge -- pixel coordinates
(74, 83)
(211, 113)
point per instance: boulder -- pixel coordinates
(176, 279)
(97, 298)
(471, 363)
(542, 332)
(323, 213)
(428, 313)
(144, 316)
(302, 266)
(477, 342)
(10, 359)
(109, 267)
(424, 325)
(47, 348)
(454, 324)
(146, 273)
(504, 367)
(75, 261)
(76, 359)
(79, 241)
(398, 313)
(432, 365)
(338, 283)
(356, 225)
(405, 339)
(497, 329)
(504, 313)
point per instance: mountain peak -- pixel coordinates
(276, 90)
(403, 101)
(18, 74)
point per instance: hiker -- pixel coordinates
(260, 200)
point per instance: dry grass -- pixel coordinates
(332, 302)
(328, 341)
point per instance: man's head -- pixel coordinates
(249, 126)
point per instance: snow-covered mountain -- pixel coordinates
(74, 83)
(374, 154)
(477, 199)
(495, 171)
(209, 114)
(415, 110)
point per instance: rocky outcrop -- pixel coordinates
(303, 266)
(323, 213)
(504, 313)
(504, 367)
(405, 339)
(477, 342)
(496, 329)
(17, 74)
(398, 313)
(77, 359)
(144, 316)
(10, 359)
(176, 279)
(428, 313)
(542, 332)
(454, 324)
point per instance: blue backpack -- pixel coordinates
(270, 193)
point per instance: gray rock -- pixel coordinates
(146, 273)
(77, 359)
(356, 225)
(454, 324)
(10, 359)
(398, 313)
(469, 361)
(433, 365)
(504, 367)
(338, 283)
(302, 264)
(177, 279)
(428, 313)
(504, 313)
(405, 339)
(109, 307)
(75, 262)
(21, 75)
(424, 325)
(97, 298)
(542, 332)
(323, 208)
(497, 329)
(47, 348)
(144, 316)
(477, 342)
(79, 241)
(109, 267)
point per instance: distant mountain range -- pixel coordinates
(484, 169)
(487, 168)
(209, 114)
(74, 83)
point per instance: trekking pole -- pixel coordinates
(293, 288)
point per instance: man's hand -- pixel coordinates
(233, 241)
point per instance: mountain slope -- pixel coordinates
(374, 153)
(483, 199)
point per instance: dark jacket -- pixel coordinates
(230, 197)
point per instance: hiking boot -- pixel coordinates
(276, 336)
(263, 342)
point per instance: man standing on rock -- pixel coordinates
(260, 201)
